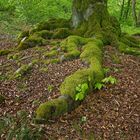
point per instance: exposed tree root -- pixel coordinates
(91, 52)
(95, 33)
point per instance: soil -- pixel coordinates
(112, 113)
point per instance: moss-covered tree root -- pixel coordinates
(94, 26)
(52, 29)
(91, 52)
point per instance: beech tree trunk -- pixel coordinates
(91, 19)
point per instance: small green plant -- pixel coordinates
(14, 57)
(106, 70)
(116, 59)
(99, 86)
(44, 69)
(50, 88)
(81, 90)
(83, 119)
(110, 80)
(107, 80)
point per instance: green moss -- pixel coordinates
(52, 108)
(44, 69)
(15, 56)
(53, 48)
(30, 42)
(96, 67)
(44, 34)
(54, 43)
(54, 61)
(61, 33)
(4, 52)
(71, 82)
(2, 99)
(91, 53)
(115, 59)
(52, 24)
(90, 50)
(45, 62)
(50, 54)
(72, 54)
(128, 50)
(72, 42)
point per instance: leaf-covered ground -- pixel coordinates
(112, 113)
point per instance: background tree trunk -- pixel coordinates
(138, 20)
(126, 13)
(134, 14)
(122, 10)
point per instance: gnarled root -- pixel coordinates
(38, 36)
(91, 52)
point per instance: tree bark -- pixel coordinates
(91, 19)
(127, 9)
(138, 21)
(134, 14)
(122, 10)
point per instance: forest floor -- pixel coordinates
(112, 113)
